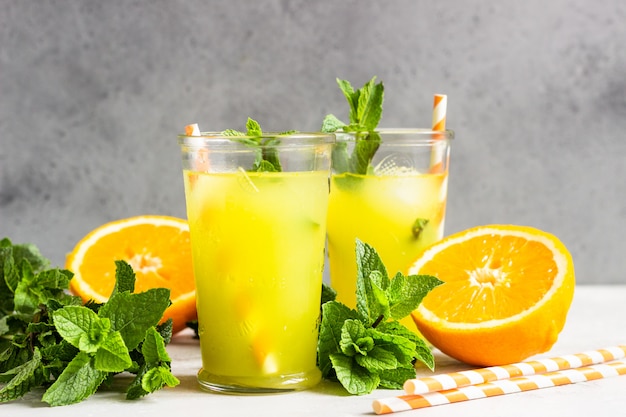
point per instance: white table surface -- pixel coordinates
(595, 320)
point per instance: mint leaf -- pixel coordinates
(79, 380)
(388, 337)
(233, 132)
(267, 155)
(365, 104)
(57, 355)
(81, 327)
(112, 355)
(352, 97)
(364, 149)
(9, 273)
(366, 108)
(354, 378)
(263, 165)
(359, 342)
(377, 359)
(35, 288)
(421, 351)
(164, 329)
(14, 354)
(369, 261)
(133, 314)
(354, 340)
(153, 349)
(27, 293)
(157, 378)
(253, 127)
(270, 156)
(340, 159)
(334, 314)
(135, 389)
(331, 124)
(372, 281)
(378, 296)
(418, 226)
(124, 278)
(405, 293)
(21, 378)
(395, 378)
(32, 255)
(370, 105)
(53, 281)
(373, 304)
(328, 294)
(4, 328)
(6, 291)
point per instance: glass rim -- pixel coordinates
(408, 133)
(296, 138)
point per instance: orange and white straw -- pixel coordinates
(440, 104)
(192, 130)
(493, 373)
(200, 156)
(499, 387)
(506, 379)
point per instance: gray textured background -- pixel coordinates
(93, 93)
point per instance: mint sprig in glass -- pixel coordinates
(366, 109)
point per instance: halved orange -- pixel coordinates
(159, 250)
(506, 293)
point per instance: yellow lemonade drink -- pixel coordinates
(258, 244)
(257, 210)
(398, 207)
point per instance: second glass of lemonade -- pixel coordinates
(257, 237)
(396, 202)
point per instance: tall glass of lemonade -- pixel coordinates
(257, 210)
(396, 202)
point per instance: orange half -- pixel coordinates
(506, 293)
(159, 250)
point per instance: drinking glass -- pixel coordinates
(388, 189)
(257, 235)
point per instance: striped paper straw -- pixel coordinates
(192, 130)
(500, 387)
(494, 373)
(440, 104)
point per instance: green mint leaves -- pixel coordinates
(366, 109)
(49, 339)
(368, 348)
(267, 156)
(85, 330)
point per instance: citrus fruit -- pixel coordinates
(158, 249)
(506, 293)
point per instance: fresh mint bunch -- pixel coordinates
(49, 339)
(366, 109)
(368, 348)
(267, 157)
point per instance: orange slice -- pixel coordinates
(159, 250)
(505, 297)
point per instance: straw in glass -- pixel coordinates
(440, 104)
